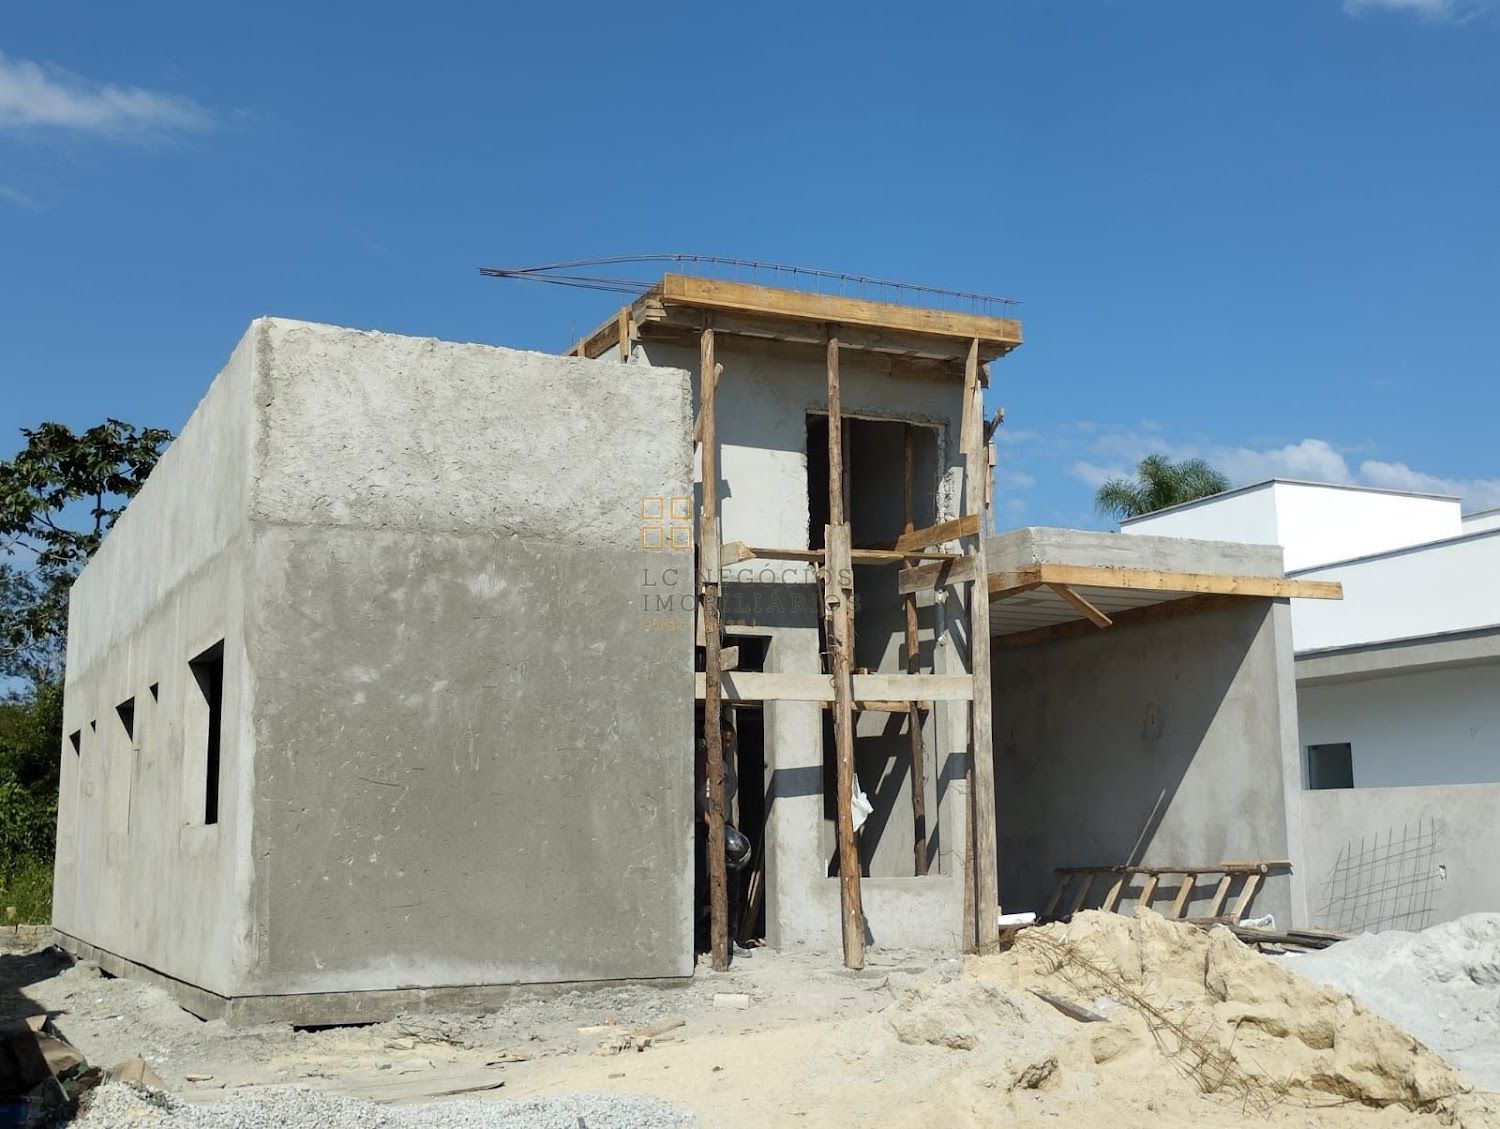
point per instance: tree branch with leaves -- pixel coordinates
(59, 496)
(1158, 483)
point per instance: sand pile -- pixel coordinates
(1186, 1013)
(1442, 985)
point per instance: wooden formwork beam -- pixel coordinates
(838, 598)
(913, 666)
(986, 884)
(709, 545)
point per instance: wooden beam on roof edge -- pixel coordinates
(719, 294)
(1157, 580)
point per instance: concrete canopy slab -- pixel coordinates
(1043, 577)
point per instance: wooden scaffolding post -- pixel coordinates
(913, 666)
(709, 545)
(838, 600)
(981, 716)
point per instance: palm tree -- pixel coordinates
(1158, 483)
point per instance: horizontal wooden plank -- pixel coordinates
(719, 294)
(1156, 580)
(914, 687)
(756, 686)
(736, 552)
(933, 356)
(925, 578)
(966, 526)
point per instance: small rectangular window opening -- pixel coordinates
(1330, 766)
(208, 676)
(126, 712)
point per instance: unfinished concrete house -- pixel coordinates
(386, 689)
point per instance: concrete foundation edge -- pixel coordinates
(322, 1009)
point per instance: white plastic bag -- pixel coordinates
(862, 807)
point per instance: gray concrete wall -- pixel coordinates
(1156, 744)
(764, 397)
(474, 754)
(457, 750)
(138, 871)
(1402, 858)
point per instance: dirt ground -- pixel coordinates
(905, 1042)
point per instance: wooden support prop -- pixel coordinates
(941, 574)
(913, 666)
(981, 709)
(623, 329)
(1184, 895)
(1247, 891)
(1056, 898)
(1082, 895)
(838, 598)
(1219, 895)
(1148, 891)
(709, 545)
(942, 532)
(1112, 898)
(1081, 605)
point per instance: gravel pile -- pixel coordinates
(120, 1106)
(1442, 985)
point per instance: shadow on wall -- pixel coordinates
(1128, 746)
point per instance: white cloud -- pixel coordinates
(1014, 479)
(18, 198)
(1114, 454)
(37, 96)
(1314, 459)
(1093, 475)
(1477, 493)
(1456, 11)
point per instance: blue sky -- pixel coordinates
(1266, 233)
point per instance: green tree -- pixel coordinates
(1158, 483)
(59, 496)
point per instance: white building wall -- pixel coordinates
(1429, 590)
(1421, 728)
(1247, 516)
(1482, 522)
(1314, 523)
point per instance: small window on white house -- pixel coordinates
(1330, 766)
(125, 711)
(75, 739)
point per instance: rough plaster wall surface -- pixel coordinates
(474, 758)
(1359, 872)
(1168, 734)
(138, 872)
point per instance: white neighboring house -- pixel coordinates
(1398, 693)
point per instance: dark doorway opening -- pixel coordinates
(876, 459)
